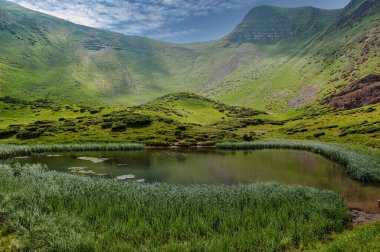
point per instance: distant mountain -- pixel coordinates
(267, 23)
(322, 4)
(275, 59)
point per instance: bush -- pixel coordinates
(181, 128)
(247, 138)
(137, 120)
(29, 133)
(319, 134)
(94, 111)
(7, 133)
(106, 125)
(119, 127)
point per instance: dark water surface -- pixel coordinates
(209, 166)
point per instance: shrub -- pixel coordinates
(106, 125)
(319, 134)
(247, 137)
(119, 127)
(7, 133)
(29, 133)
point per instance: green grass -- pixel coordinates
(362, 238)
(7, 151)
(50, 211)
(181, 119)
(70, 63)
(361, 166)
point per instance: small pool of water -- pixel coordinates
(210, 166)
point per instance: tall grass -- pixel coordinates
(7, 151)
(361, 166)
(362, 238)
(50, 211)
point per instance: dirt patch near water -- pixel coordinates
(357, 94)
(361, 218)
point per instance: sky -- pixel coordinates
(179, 21)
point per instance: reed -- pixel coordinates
(50, 211)
(8, 151)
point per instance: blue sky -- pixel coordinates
(168, 20)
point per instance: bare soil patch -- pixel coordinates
(303, 96)
(357, 94)
(361, 218)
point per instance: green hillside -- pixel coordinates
(304, 68)
(45, 57)
(277, 59)
(182, 119)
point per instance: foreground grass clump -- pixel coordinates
(363, 238)
(360, 165)
(51, 211)
(7, 151)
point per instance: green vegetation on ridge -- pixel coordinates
(182, 119)
(58, 57)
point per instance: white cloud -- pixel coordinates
(135, 17)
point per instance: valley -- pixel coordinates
(112, 142)
(182, 119)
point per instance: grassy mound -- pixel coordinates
(52, 211)
(364, 167)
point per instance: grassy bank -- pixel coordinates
(7, 151)
(363, 238)
(45, 210)
(361, 165)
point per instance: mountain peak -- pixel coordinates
(268, 23)
(355, 11)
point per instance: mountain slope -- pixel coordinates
(45, 57)
(266, 24)
(277, 59)
(297, 71)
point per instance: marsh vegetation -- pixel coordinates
(46, 210)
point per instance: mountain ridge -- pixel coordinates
(266, 23)
(44, 57)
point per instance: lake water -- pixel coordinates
(210, 166)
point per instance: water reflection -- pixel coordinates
(209, 166)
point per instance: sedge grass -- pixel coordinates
(8, 151)
(360, 165)
(51, 211)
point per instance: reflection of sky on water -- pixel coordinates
(209, 166)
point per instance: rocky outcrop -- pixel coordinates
(357, 94)
(267, 23)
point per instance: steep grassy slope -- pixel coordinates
(277, 59)
(300, 69)
(45, 57)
